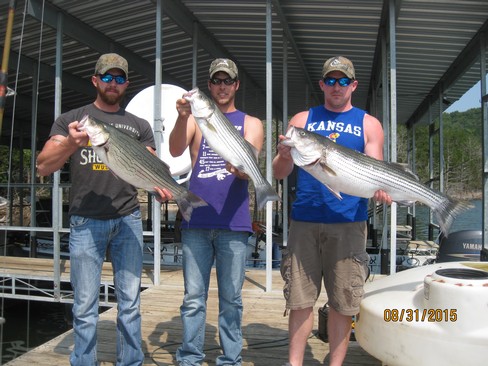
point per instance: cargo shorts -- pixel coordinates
(334, 253)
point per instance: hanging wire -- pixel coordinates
(9, 175)
(10, 159)
(34, 118)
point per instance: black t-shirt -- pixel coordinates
(95, 191)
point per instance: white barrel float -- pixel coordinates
(429, 315)
(142, 105)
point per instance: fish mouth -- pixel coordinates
(83, 121)
(287, 142)
(189, 95)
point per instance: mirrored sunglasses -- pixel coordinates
(342, 81)
(107, 78)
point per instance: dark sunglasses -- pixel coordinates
(342, 81)
(217, 81)
(107, 78)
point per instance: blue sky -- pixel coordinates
(470, 99)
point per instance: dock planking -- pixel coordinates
(264, 327)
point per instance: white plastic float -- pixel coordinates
(430, 315)
(142, 105)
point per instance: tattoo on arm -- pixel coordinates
(54, 139)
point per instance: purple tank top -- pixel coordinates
(226, 195)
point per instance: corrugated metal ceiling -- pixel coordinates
(436, 46)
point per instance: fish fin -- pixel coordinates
(404, 168)
(265, 193)
(323, 164)
(188, 202)
(334, 192)
(446, 212)
(210, 126)
(166, 167)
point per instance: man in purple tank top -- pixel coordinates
(327, 239)
(218, 232)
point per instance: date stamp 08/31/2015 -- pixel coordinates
(420, 315)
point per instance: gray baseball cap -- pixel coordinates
(225, 65)
(111, 61)
(339, 63)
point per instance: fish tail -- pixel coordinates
(188, 202)
(446, 212)
(265, 193)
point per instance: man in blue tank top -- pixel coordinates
(218, 231)
(327, 239)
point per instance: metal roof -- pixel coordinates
(436, 50)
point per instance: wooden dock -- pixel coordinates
(264, 328)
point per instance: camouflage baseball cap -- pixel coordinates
(111, 61)
(225, 65)
(339, 63)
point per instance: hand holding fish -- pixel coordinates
(283, 150)
(133, 162)
(283, 161)
(184, 108)
(234, 148)
(344, 170)
(232, 169)
(76, 136)
(163, 195)
(381, 196)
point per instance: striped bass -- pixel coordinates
(345, 170)
(131, 161)
(226, 141)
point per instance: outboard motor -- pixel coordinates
(464, 245)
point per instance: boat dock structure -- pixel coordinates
(413, 60)
(265, 328)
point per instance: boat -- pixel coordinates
(429, 315)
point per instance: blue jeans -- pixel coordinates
(89, 241)
(200, 248)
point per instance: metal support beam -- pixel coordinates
(285, 194)
(462, 63)
(158, 137)
(291, 39)
(484, 123)
(393, 127)
(97, 41)
(269, 136)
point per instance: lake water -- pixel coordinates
(468, 220)
(29, 325)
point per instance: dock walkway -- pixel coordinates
(264, 328)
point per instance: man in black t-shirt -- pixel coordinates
(104, 214)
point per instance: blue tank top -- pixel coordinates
(314, 202)
(227, 196)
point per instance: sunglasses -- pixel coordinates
(107, 78)
(342, 81)
(217, 81)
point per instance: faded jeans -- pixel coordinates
(200, 248)
(89, 240)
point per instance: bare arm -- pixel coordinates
(184, 129)
(254, 134)
(58, 149)
(374, 139)
(283, 162)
